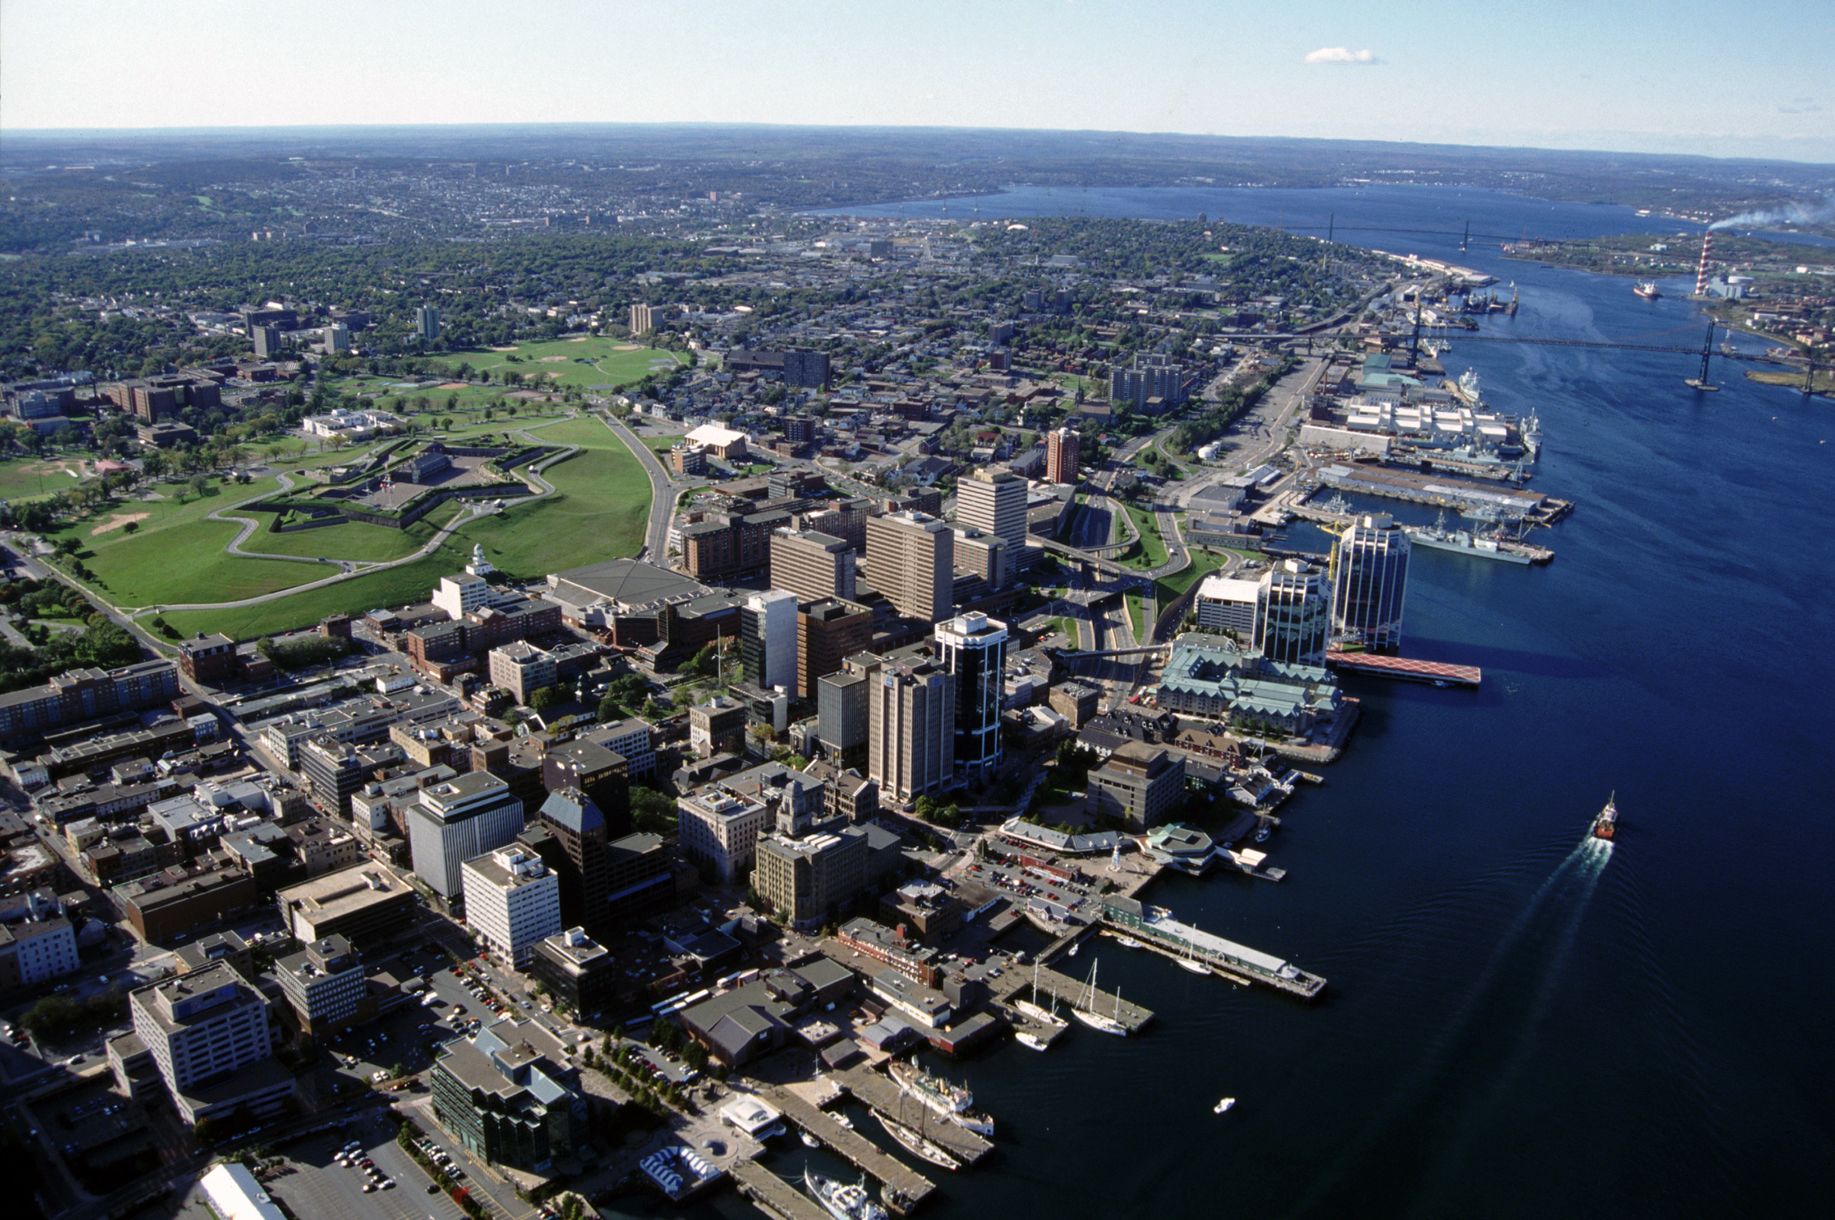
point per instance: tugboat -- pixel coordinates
(1605, 826)
(1648, 290)
(842, 1200)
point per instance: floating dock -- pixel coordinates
(774, 1196)
(904, 1184)
(1406, 669)
(1156, 929)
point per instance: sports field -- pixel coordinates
(29, 477)
(586, 361)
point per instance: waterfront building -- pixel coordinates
(512, 901)
(458, 820)
(208, 1034)
(812, 565)
(973, 648)
(911, 562)
(911, 729)
(1292, 613)
(1139, 784)
(767, 638)
(510, 1095)
(1210, 675)
(1063, 450)
(1370, 583)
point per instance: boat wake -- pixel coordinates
(1537, 943)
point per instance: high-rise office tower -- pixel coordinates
(1063, 449)
(577, 826)
(827, 633)
(812, 565)
(1293, 613)
(911, 562)
(911, 729)
(1370, 582)
(767, 638)
(974, 651)
(456, 820)
(267, 341)
(994, 502)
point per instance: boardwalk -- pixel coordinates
(774, 1196)
(882, 1094)
(907, 1185)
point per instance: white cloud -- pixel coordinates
(1340, 55)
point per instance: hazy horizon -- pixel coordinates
(1566, 76)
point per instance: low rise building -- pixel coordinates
(365, 904)
(578, 972)
(1138, 784)
(208, 1034)
(510, 1096)
(324, 984)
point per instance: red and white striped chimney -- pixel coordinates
(1701, 272)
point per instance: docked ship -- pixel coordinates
(1648, 290)
(842, 1200)
(917, 1144)
(952, 1101)
(1605, 826)
(1464, 542)
(1102, 1023)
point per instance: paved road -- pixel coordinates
(663, 490)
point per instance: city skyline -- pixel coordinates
(1589, 78)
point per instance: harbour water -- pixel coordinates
(1519, 1022)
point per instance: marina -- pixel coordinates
(1069, 992)
(905, 1186)
(883, 1095)
(772, 1195)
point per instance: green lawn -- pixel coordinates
(589, 361)
(174, 554)
(351, 540)
(27, 478)
(1137, 615)
(401, 586)
(1150, 551)
(661, 445)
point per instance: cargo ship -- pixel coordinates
(1605, 826)
(950, 1100)
(1648, 290)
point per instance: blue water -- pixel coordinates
(1516, 1024)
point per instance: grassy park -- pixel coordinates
(585, 361)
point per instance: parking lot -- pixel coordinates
(314, 1184)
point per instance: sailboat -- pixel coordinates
(1190, 962)
(1032, 1008)
(1086, 1011)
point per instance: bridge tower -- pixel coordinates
(1465, 243)
(1700, 380)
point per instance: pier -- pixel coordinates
(881, 1093)
(1405, 669)
(1444, 491)
(1156, 929)
(774, 1196)
(1070, 993)
(904, 1184)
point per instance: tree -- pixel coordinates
(199, 484)
(545, 698)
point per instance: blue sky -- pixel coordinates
(1745, 78)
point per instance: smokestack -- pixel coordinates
(1701, 272)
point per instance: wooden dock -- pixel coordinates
(1071, 992)
(906, 1185)
(774, 1196)
(881, 1092)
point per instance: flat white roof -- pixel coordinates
(714, 434)
(1228, 589)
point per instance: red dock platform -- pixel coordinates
(1406, 669)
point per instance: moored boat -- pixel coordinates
(917, 1144)
(1086, 1012)
(1648, 290)
(952, 1101)
(842, 1200)
(1030, 1040)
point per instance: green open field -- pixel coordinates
(352, 540)
(600, 512)
(1150, 551)
(175, 555)
(28, 478)
(587, 361)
